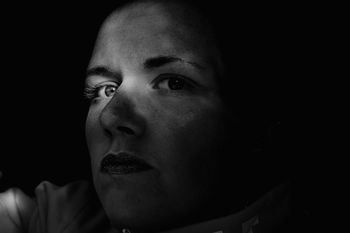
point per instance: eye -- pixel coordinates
(102, 90)
(108, 90)
(173, 82)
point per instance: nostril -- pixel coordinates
(126, 130)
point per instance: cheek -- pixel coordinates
(188, 123)
(194, 144)
(90, 126)
(183, 113)
(187, 136)
(95, 138)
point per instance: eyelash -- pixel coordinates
(91, 92)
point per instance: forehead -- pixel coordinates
(150, 29)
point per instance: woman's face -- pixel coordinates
(156, 124)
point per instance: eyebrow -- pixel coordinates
(102, 71)
(159, 61)
(150, 63)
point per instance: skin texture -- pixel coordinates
(181, 133)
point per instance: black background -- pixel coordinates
(44, 53)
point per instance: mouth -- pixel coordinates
(123, 163)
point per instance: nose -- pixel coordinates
(120, 116)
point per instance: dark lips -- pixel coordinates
(123, 163)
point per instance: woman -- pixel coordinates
(174, 133)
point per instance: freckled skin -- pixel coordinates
(179, 134)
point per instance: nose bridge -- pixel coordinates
(120, 115)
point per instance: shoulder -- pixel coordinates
(75, 193)
(16, 208)
(70, 208)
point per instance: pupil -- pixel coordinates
(176, 84)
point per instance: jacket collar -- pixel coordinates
(264, 215)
